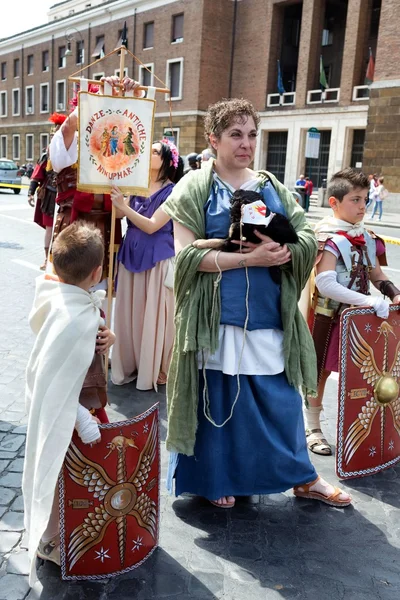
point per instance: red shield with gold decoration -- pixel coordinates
(368, 436)
(109, 499)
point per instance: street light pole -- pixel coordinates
(70, 37)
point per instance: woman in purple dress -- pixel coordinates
(144, 309)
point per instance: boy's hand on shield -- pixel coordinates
(105, 339)
(396, 299)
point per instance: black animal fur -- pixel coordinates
(279, 229)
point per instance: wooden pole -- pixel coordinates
(101, 84)
(112, 231)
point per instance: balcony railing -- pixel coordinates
(286, 99)
(360, 92)
(320, 97)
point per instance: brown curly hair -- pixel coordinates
(223, 113)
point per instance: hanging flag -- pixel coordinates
(280, 86)
(124, 41)
(369, 75)
(322, 77)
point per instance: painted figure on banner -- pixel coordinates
(350, 259)
(129, 147)
(44, 183)
(66, 363)
(114, 137)
(105, 143)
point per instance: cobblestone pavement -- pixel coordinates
(271, 547)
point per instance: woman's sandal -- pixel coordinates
(332, 500)
(317, 443)
(162, 378)
(226, 505)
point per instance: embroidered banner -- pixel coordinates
(115, 139)
(109, 499)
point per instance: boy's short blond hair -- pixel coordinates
(77, 251)
(345, 181)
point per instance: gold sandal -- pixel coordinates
(317, 443)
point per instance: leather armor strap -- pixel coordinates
(66, 180)
(387, 288)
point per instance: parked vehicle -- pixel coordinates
(9, 174)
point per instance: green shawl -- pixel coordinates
(197, 329)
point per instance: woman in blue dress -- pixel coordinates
(242, 349)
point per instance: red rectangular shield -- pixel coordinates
(109, 499)
(368, 434)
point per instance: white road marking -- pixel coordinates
(28, 221)
(25, 263)
(13, 207)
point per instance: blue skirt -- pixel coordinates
(261, 450)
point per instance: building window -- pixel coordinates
(98, 76)
(177, 28)
(148, 35)
(357, 149)
(3, 71)
(175, 78)
(44, 142)
(80, 52)
(3, 146)
(146, 77)
(16, 146)
(29, 65)
(44, 97)
(60, 94)
(29, 146)
(99, 50)
(16, 67)
(62, 59)
(29, 100)
(172, 133)
(16, 110)
(117, 72)
(3, 104)
(45, 60)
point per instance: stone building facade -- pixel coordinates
(212, 49)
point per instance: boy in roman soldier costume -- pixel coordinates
(44, 180)
(350, 258)
(65, 378)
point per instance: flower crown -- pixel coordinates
(174, 152)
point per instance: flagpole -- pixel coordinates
(110, 287)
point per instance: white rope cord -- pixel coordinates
(206, 398)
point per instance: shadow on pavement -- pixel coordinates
(159, 577)
(297, 548)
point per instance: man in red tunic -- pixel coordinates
(44, 182)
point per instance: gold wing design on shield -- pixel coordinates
(362, 356)
(91, 475)
(395, 405)
(88, 534)
(145, 509)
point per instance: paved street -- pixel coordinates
(267, 548)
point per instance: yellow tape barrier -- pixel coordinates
(390, 240)
(13, 185)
